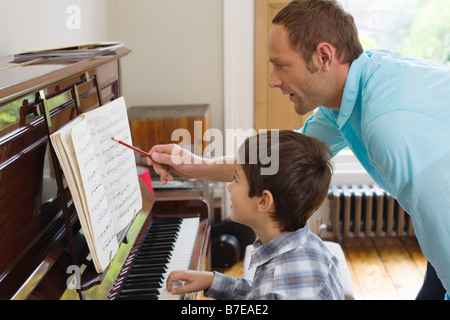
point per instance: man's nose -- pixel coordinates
(274, 80)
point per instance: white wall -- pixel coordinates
(34, 24)
(177, 53)
(177, 45)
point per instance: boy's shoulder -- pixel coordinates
(313, 250)
(306, 271)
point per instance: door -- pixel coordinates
(273, 110)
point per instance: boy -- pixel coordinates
(291, 263)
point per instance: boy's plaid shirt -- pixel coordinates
(296, 265)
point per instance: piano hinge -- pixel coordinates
(45, 110)
(76, 97)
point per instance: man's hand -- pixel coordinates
(167, 158)
(173, 158)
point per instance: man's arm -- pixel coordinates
(172, 158)
(323, 127)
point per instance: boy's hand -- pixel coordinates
(195, 281)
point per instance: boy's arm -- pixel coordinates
(172, 158)
(216, 285)
(225, 287)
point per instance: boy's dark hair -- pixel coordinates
(301, 183)
(310, 22)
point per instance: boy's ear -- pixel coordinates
(266, 203)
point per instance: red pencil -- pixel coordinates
(131, 147)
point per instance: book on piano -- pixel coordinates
(101, 176)
(68, 53)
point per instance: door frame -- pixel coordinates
(239, 64)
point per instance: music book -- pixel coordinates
(68, 53)
(101, 176)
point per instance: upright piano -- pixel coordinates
(40, 233)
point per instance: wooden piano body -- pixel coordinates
(39, 227)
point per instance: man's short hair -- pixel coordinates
(310, 22)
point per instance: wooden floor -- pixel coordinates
(385, 268)
(381, 268)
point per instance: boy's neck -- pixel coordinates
(266, 235)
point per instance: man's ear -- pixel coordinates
(266, 203)
(325, 54)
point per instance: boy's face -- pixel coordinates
(243, 207)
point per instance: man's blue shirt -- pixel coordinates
(395, 117)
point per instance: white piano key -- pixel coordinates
(181, 254)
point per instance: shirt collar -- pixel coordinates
(352, 88)
(281, 244)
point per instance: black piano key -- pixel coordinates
(153, 255)
(158, 242)
(154, 260)
(125, 291)
(149, 264)
(137, 297)
(140, 274)
(146, 274)
(144, 277)
(158, 248)
(162, 228)
(171, 235)
(160, 232)
(168, 221)
(145, 256)
(161, 236)
(139, 278)
(138, 269)
(144, 284)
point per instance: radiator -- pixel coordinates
(366, 211)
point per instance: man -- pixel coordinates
(393, 111)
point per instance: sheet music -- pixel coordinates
(117, 164)
(101, 175)
(98, 211)
(67, 157)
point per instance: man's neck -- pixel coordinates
(340, 78)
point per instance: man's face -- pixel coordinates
(290, 73)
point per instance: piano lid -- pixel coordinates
(17, 80)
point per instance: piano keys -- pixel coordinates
(167, 247)
(174, 241)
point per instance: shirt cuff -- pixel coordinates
(220, 286)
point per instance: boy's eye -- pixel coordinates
(235, 178)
